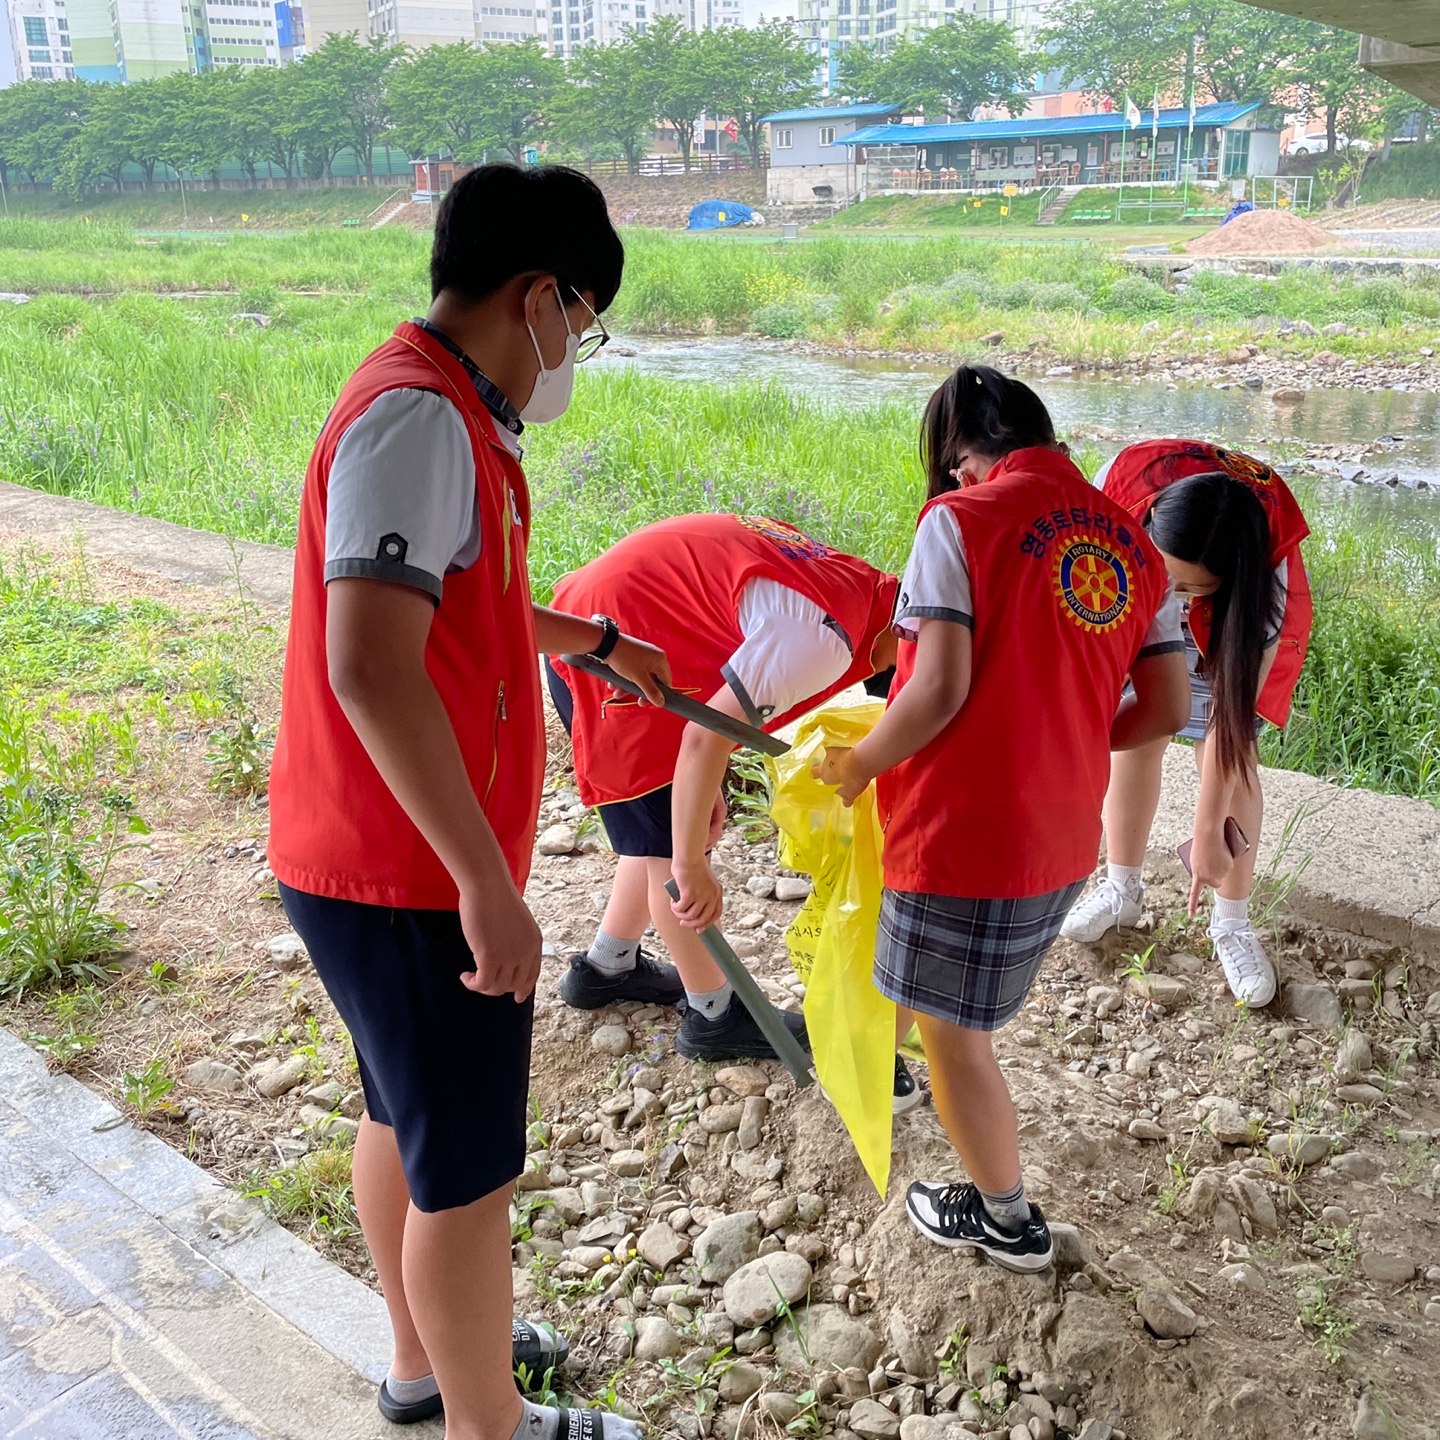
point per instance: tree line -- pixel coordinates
(500, 101)
(1223, 50)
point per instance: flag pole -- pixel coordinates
(1189, 146)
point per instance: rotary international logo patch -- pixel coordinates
(1093, 582)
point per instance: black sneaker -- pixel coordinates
(907, 1093)
(733, 1035)
(651, 983)
(536, 1350)
(955, 1215)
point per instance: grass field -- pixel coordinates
(205, 209)
(183, 409)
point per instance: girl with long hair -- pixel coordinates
(1230, 532)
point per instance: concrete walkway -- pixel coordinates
(140, 1300)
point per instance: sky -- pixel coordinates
(7, 59)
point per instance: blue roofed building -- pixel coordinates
(809, 162)
(1224, 142)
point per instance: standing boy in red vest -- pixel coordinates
(758, 620)
(1028, 600)
(409, 764)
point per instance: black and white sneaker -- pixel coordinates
(650, 983)
(907, 1093)
(733, 1035)
(955, 1215)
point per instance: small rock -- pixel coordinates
(752, 1121)
(994, 337)
(1072, 1250)
(1318, 1004)
(762, 887)
(917, 1358)
(727, 1244)
(611, 1040)
(1300, 1148)
(1160, 989)
(558, 840)
(752, 1341)
(1143, 1129)
(1253, 1201)
(656, 1339)
(1356, 1165)
(214, 1075)
(1081, 1148)
(739, 1382)
(1241, 1277)
(833, 1340)
(286, 950)
(743, 1080)
(1165, 1315)
(328, 1094)
(721, 1119)
(870, 1420)
(757, 1291)
(1372, 1422)
(660, 1247)
(792, 887)
(1096, 1430)
(1229, 1125)
(628, 1163)
(1288, 395)
(780, 1407)
(1359, 1094)
(1335, 1216)
(1387, 1269)
(284, 1077)
(1354, 1057)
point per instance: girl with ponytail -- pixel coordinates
(1229, 531)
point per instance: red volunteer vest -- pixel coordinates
(1005, 801)
(1141, 472)
(678, 584)
(336, 829)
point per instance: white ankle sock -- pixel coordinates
(611, 956)
(711, 1004)
(411, 1392)
(1231, 909)
(1124, 877)
(540, 1422)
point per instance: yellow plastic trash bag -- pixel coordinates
(832, 941)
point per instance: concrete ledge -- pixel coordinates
(153, 547)
(1373, 860)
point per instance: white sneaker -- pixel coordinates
(1247, 966)
(1107, 906)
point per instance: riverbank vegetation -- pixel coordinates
(203, 411)
(937, 294)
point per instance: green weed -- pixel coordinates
(315, 1194)
(145, 1089)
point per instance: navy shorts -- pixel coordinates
(448, 1070)
(634, 827)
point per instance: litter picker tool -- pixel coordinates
(686, 707)
(767, 1017)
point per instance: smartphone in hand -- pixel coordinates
(1235, 843)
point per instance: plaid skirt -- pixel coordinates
(968, 962)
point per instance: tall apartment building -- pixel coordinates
(831, 27)
(226, 34)
(40, 40)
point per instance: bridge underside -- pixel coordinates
(1400, 39)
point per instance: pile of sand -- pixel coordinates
(1262, 232)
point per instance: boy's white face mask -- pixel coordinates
(551, 396)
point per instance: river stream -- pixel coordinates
(1401, 430)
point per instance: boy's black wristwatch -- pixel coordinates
(608, 641)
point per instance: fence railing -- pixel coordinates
(389, 200)
(651, 165)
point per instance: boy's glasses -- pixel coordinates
(595, 341)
